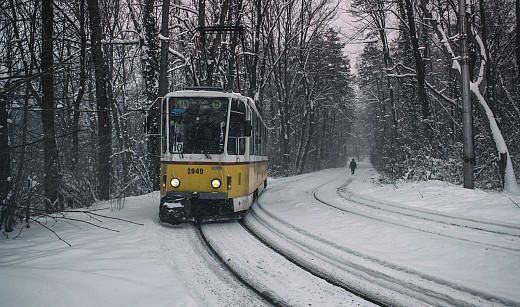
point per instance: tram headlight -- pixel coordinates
(175, 182)
(215, 183)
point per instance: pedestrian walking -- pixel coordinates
(353, 166)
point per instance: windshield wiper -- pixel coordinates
(207, 156)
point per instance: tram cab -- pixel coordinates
(213, 155)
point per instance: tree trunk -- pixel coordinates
(321, 154)
(518, 45)
(308, 140)
(253, 89)
(301, 143)
(103, 107)
(163, 73)
(151, 79)
(419, 65)
(490, 78)
(81, 90)
(233, 73)
(5, 166)
(389, 139)
(50, 149)
(200, 67)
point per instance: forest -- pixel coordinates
(410, 79)
(80, 83)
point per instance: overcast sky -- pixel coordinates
(350, 32)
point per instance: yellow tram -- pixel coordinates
(213, 155)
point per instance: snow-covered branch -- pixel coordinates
(510, 183)
(401, 75)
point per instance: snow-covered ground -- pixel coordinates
(439, 235)
(359, 230)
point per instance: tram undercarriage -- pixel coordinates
(177, 208)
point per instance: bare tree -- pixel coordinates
(510, 183)
(6, 211)
(82, 84)
(517, 6)
(50, 148)
(104, 137)
(151, 79)
(165, 40)
(419, 65)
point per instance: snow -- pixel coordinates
(284, 282)
(151, 264)
(102, 268)
(450, 258)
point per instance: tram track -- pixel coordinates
(376, 280)
(275, 278)
(494, 235)
(460, 221)
(266, 296)
(381, 281)
(186, 253)
(305, 257)
(311, 270)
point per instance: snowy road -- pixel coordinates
(393, 254)
(188, 257)
(506, 236)
(271, 274)
(413, 244)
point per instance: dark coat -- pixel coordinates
(353, 164)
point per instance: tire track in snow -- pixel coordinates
(491, 234)
(273, 276)
(380, 280)
(187, 255)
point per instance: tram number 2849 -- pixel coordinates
(193, 171)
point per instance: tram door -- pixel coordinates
(239, 130)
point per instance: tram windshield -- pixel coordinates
(197, 125)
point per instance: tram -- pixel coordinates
(214, 159)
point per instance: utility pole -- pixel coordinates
(467, 119)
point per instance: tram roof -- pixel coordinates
(205, 93)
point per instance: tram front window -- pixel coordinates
(197, 125)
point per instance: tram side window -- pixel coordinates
(252, 144)
(262, 140)
(258, 136)
(164, 125)
(237, 120)
(263, 147)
